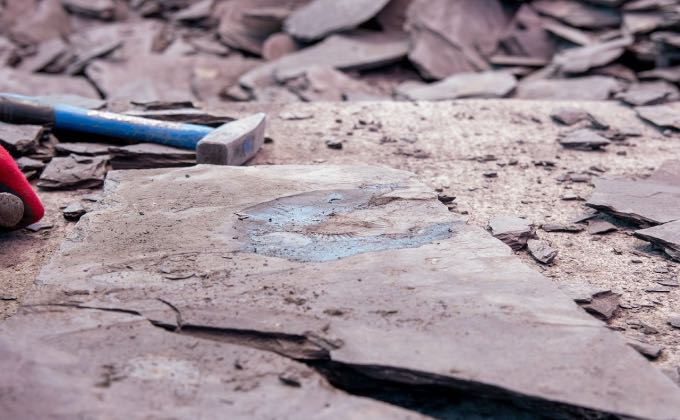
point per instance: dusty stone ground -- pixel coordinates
(439, 142)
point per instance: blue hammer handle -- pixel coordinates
(27, 110)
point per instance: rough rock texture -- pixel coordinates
(356, 268)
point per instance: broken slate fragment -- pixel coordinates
(143, 369)
(663, 116)
(489, 84)
(665, 236)
(20, 139)
(456, 36)
(27, 164)
(333, 143)
(650, 351)
(650, 93)
(569, 115)
(583, 139)
(600, 227)
(556, 227)
(42, 84)
(603, 305)
(353, 51)
(74, 172)
(512, 230)
(74, 211)
(323, 83)
(541, 251)
(320, 18)
(84, 149)
(587, 88)
(579, 14)
(653, 200)
(582, 59)
(674, 321)
(98, 9)
(149, 155)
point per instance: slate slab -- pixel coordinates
(129, 368)
(583, 139)
(650, 93)
(489, 84)
(73, 172)
(512, 230)
(588, 88)
(42, 84)
(83, 149)
(541, 250)
(580, 60)
(20, 139)
(149, 155)
(666, 237)
(355, 51)
(653, 200)
(320, 18)
(453, 36)
(239, 29)
(352, 267)
(579, 14)
(663, 116)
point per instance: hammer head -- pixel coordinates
(233, 143)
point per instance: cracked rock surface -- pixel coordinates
(412, 313)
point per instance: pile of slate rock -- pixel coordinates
(162, 58)
(308, 50)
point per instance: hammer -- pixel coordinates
(233, 143)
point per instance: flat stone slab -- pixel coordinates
(127, 368)
(653, 200)
(322, 17)
(353, 269)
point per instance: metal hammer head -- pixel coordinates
(233, 143)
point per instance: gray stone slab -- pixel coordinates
(653, 200)
(20, 139)
(666, 237)
(489, 84)
(453, 36)
(357, 268)
(99, 364)
(588, 88)
(149, 155)
(41, 84)
(73, 171)
(663, 116)
(320, 18)
(353, 51)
